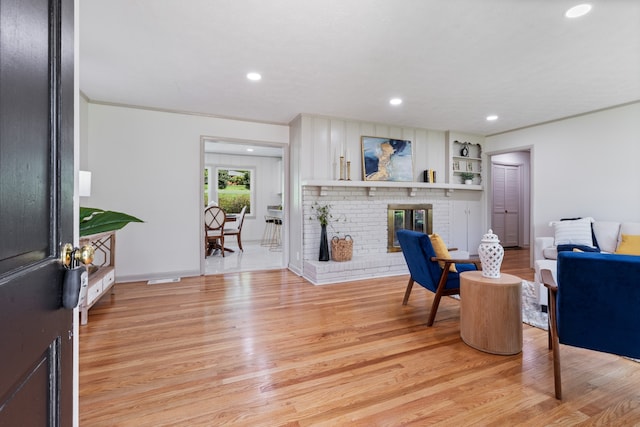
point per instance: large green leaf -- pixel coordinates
(93, 221)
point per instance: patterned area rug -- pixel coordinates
(531, 313)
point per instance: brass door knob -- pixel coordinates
(70, 255)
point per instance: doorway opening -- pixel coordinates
(510, 198)
(238, 173)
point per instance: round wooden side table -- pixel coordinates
(491, 312)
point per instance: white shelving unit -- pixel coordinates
(464, 157)
(101, 271)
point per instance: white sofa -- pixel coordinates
(607, 236)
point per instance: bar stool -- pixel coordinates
(267, 235)
(276, 240)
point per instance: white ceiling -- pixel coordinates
(453, 62)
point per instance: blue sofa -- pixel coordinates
(595, 304)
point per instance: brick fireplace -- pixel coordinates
(364, 216)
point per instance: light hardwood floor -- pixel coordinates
(269, 349)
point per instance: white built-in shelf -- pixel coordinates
(411, 187)
(463, 157)
(461, 171)
(466, 158)
(101, 271)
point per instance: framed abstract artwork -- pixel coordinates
(386, 159)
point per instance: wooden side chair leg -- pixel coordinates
(407, 292)
(240, 243)
(553, 327)
(438, 295)
(434, 309)
(554, 342)
(549, 337)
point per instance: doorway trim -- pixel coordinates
(526, 185)
(285, 191)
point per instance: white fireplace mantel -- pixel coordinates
(364, 206)
(371, 186)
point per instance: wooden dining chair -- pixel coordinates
(214, 219)
(235, 229)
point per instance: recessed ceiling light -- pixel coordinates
(577, 11)
(492, 117)
(395, 101)
(254, 76)
(249, 149)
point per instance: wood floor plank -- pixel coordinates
(268, 348)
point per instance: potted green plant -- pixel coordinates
(322, 212)
(467, 177)
(93, 221)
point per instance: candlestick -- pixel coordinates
(341, 168)
(348, 171)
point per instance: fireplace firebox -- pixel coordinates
(409, 217)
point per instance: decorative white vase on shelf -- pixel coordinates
(491, 254)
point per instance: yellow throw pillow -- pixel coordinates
(629, 245)
(441, 251)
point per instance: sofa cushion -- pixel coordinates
(629, 244)
(632, 228)
(576, 232)
(577, 248)
(550, 252)
(607, 233)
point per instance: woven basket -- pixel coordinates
(341, 249)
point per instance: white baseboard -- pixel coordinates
(157, 276)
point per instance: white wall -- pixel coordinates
(267, 190)
(581, 166)
(323, 138)
(83, 128)
(148, 164)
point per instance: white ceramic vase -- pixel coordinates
(491, 254)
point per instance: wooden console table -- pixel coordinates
(491, 312)
(101, 271)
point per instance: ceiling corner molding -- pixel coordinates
(184, 113)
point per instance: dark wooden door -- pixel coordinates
(36, 211)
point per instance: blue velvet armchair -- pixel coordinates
(594, 305)
(426, 271)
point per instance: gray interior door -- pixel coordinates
(36, 211)
(505, 218)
